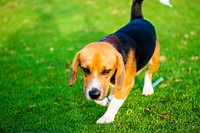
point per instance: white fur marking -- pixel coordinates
(95, 75)
(112, 110)
(94, 84)
(103, 102)
(148, 88)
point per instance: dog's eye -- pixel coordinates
(85, 70)
(105, 72)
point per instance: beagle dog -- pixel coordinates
(111, 64)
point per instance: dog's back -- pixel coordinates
(138, 35)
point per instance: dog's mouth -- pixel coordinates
(99, 99)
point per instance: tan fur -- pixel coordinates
(99, 56)
(154, 62)
(130, 71)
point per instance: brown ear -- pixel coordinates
(74, 72)
(119, 77)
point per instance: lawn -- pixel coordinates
(39, 39)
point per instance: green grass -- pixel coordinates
(38, 41)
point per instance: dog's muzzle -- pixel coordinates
(94, 93)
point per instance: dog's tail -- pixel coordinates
(136, 11)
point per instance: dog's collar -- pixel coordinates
(108, 99)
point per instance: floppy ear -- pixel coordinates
(74, 72)
(119, 77)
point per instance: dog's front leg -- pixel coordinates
(119, 94)
(112, 110)
(116, 102)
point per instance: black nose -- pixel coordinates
(94, 93)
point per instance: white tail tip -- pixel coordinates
(166, 2)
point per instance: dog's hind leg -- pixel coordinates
(152, 68)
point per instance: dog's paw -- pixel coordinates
(103, 102)
(104, 120)
(147, 90)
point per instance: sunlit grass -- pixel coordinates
(39, 39)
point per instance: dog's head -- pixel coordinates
(99, 62)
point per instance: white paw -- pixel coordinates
(103, 102)
(147, 90)
(104, 120)
(112, 110)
